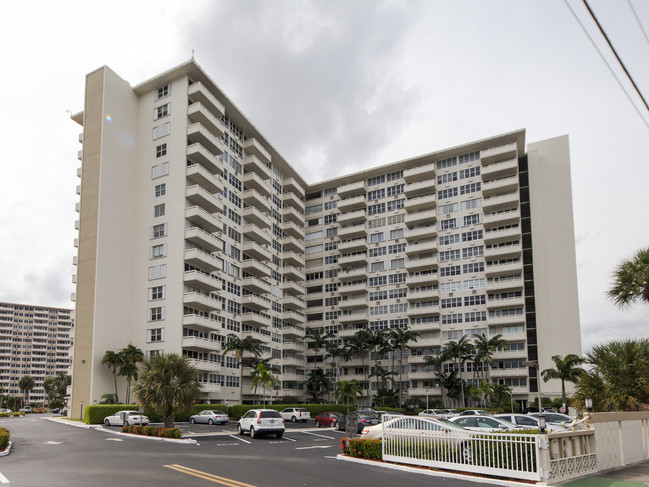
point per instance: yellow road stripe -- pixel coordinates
(208, 476)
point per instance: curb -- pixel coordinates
(6, 451)
(76, 424)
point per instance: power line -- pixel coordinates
(592, 14)
(635, 14)
(606, 62)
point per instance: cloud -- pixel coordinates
(632, 323)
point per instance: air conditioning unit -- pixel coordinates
(474, 291)
(398, 300)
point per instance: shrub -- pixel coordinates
(152, 431)
(368, 449)
(4, 438)
(4, 415)
(18, 413)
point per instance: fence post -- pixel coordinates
(543, 457)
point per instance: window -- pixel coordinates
(313, 236)
(448, 208)
(378, 310)
(449, 255)
(447, 193)
(157, 271)
(330, 205)
(162, 91)
(473, 252)
(313, 249)
(377, 266)
(470, 236)
(157, 292)
(470, 173)
(160, 190)
(331, 259)
(450, 271)
(449, 287)
(376, 194)
(469, 188)
(451, 303)
(395, 205)
(471, 204)
(331, 232)
(158, 231)
(447, 178)
(471, 156)
(158, 251)
(398, 293)
(377, 252)
(155, 335)
(474, 284)
(452, 319)
(397, 248)
(161, 111)
(475, 316)
(394, 219)
(449, 239)
(443, 164)
(474, 300)
(330, 191)
(161, 150)
(376, 180)
(376, 223)
(329, 219)
(330, 246)
(473, 268)
(157, 314)
(161, 130)
(393, 176)
(312, 209)
(398, 189)
(448, 224)
(396, 233)
(159, 210)
(471, 220)
(397, 263)
(160, 170)
(374, 209)
(376, 237)
(378, 281)
(397, 278)
(399, 308)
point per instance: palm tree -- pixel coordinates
(485, 349)
(264, 378)
(131, 356)
(619, 377)
(459, 352)
(334, 352)
(240, 346)
(168, 380)
(631, 280)
(26, 383)
(384, 376)
(317, 384)
(358, 344)
(400, 338)
(435, 362)
(565, 370)
(319, 339)
(113, 360)
(348, 391)
(378, 339)
(254, 363)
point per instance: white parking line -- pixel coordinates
(321, 436)
(287, 438)
(240, 439)
(3, 479)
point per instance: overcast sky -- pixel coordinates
(337, 86)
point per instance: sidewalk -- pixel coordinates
(633, 476)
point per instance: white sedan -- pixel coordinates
(126, 418)
(485, 424)
(210, 416)
(442, 413)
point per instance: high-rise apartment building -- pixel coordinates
(192, 226)
(34, 341)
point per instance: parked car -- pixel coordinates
(53, 411)
(261, 421)
(527, 421)
(6, 410)
(296, 414)
(441, 413)
(328, 418)
(554, 417)
(475, 412)
(536, 410)
(410, 425)
(485, 424)
(361, 420)
(26, 409)
(210, 416)
(366, 410)
(126, 418)
(64, 412)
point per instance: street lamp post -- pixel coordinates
(535, 365)
(426, 388)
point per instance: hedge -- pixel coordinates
(152, 431)
(240, 409)
(96, 414)
(369, 449)
(4, 438)
(18, 413)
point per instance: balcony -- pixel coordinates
(202, 280)
(256, 302)
(353, 189)
(421, 280)
(255, 268)
(502, 202)
(517, 302)
(205, 366)
(201, 197)
(355, 245)
(202, 302)
(293, 274)
(291, 184)
(353, 260)
(505, 235)
(199, 114)
(293, 259)
(259, 235)
(256, 319)
(255, 285)
(352, 218)
(414, 265)
(203, 239)
(203, 260)
(417, 296)
(197, 133)
(418, 248)
(421, 203)
(200, 344)
(504, 252)
(416, 311)
(293, 317)
(197, 174)
(353, 303)
(292, 345)
(419, 233)
(357, 316)
(292, 229)
(352, 232)
(520, 372)
(292, 244)
(503, 269)
(292, 288)
(255, 199)
(290, 214)
(420, 188)
(198, 154)
(197, 92)
(251, 180)
(256, 251)
(252, 163)
(291, 199)
(500, 186)
(203, 219)
(505, 285)
(500, 170)
(356, 288)
(253, 147)
(498, 154)
(503, 217)
(294, 303)
(253, 215)
(294, 361)
(419, 173)
(425, 217)
(353, 274)
(353, 203)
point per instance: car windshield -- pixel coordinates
(553, 417)
(450, 424)
(269, 414)
(369, 416)
(302, 410)
(216, 411)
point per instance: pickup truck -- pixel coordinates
(26, 409)
(296, 414)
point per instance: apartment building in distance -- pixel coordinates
(193, 226)
(35, 341)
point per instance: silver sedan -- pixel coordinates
(210, 416)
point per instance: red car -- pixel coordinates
(328, 418)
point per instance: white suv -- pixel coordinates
(261, 421)
(296, 414)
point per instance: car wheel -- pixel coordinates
(279, 435)
(239, 429)
(317, 423)
(466, 454)
(192, 420)
(252, 432)
(210, 422)
(106, 422)
(293, 419)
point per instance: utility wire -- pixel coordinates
(616, 55)
(606, 62)
(635, 14)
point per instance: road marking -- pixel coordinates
(208, 476)
(3, 479)
(114, 439)
(321, 436)
(287, 438)
(240, 439)
(53, 442)
(312, 447)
